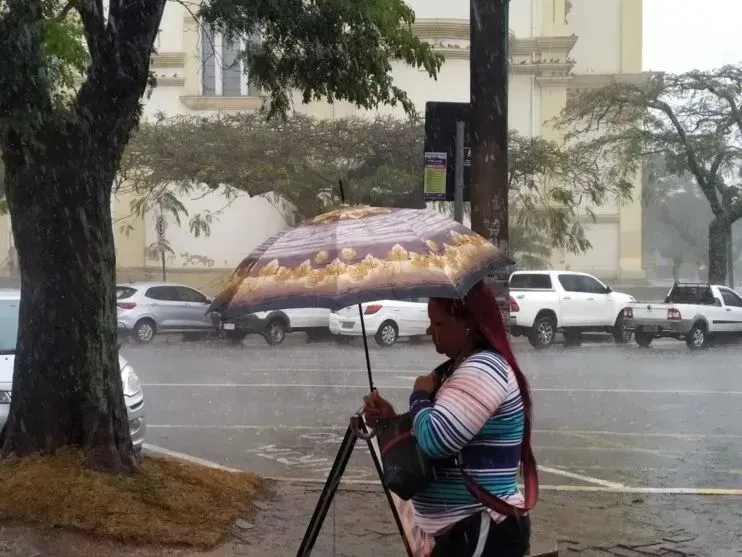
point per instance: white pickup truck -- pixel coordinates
(693, 312)
(544, 302)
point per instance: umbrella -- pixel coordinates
(358, 254)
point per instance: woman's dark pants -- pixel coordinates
(509, 538)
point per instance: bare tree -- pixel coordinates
(692, 120)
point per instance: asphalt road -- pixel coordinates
(613, 418)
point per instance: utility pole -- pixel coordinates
(488, 67)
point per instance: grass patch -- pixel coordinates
(169, 502)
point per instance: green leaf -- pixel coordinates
(328, 50)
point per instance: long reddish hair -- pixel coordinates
(480, 307)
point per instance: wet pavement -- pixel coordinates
(661, 424)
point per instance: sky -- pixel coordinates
(681, 35)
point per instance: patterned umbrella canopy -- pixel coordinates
(358, 254)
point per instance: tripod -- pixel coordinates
(356, 430)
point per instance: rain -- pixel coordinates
(240, 274)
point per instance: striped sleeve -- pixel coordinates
(467, 400)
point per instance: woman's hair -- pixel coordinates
(481, 309)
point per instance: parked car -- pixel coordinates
(385, 320)
(694, 312)
(273, 325)
(543, 303)
(147, 309)
(133, 395)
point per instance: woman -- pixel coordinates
(479, 413)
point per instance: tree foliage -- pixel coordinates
(62, 144)
(692, 120)
(300, 162)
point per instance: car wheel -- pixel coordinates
(697, 338)
(387, 334)
(275, 332)
(621, 335)
(235, 336)
(144, 331)
(543, 332)
(643, 339)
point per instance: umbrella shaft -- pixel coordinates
(365, 349)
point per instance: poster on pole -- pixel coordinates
(435, 177)
(420, 543)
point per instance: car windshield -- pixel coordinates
(8, 326)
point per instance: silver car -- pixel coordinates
(133, 395)
(146, 309)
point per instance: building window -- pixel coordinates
(223, 73)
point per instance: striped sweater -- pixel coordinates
(479, 413)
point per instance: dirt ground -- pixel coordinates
(360, 525)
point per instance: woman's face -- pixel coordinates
(449, 333)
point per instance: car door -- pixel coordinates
(195, 305)
(599, 310)
(731, 322)
(167, 307)
(572, 301)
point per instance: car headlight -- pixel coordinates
(132, 385)
(4, 397)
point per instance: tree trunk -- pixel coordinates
(488, 67)
(67, 387)
(719, 233)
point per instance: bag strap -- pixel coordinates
(529, 468)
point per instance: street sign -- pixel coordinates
(440, 150)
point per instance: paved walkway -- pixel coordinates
(360, 525)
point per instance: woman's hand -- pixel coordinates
(427, 383)
(376, 409)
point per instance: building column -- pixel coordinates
(630, 231)
(192, 67)
(553, 98)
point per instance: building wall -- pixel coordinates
(559, 45)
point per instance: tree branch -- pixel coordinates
(702, 178)
(91, 15)
(66, 10)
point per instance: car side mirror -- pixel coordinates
(608, 289)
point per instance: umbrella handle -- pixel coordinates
(365, 435)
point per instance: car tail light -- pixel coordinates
(513, 305)
(371, 309)
(628, 313)
(126, 305)
(673, 314)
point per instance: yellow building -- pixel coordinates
(559, 46)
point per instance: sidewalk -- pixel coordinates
(361, 525)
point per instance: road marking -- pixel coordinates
(710, 491)
(406, 387)
(587, 479)
(188, 458)
(597, 433)
(565, 488)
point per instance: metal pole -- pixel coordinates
(458, 199)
